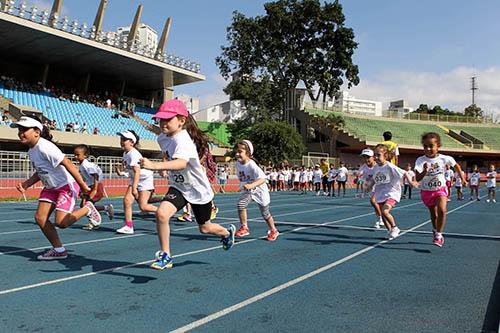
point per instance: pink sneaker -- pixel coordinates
(438, 241)
(272, 235)
(93, 214)
(52, 254)
(242, 231)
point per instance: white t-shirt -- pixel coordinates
(474, 178)
(46, 159)
(332, 173)
(410, 174)
(366, 172)
(249, 173)
(192, 181)
(310, 176)
(303, 176)
(281, 176)
(342, 174)
(286, 175)
(458, 179)
(130, 160)
(491, 182)
(317, 175)
(273, 175)
(434, 180)
(88, 170)
(387, 182)
(448, 175)
(223, 174)
(296, 176)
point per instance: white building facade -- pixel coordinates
(400, 106)
(226, 112)
(350, 104)
(146, 36)
(192, 103)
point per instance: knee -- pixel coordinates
(203, 228)
(127, 201)
(40, 220)
(162, 216)
(143, 206)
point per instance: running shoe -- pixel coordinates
(478, 199)
(111, 211)
(185, 217)
(162, 261)
(394, 232)
(494, 200)
(487, 200)
(389, 237)
(243, 231)
(228, 242)
(126, 230)
(90, 227)
(272, 235)
(376, 225)
(52, 254)
(438, 241)
(213, 213)
(93, 214)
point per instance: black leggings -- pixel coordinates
(407, 187)
(325, 183)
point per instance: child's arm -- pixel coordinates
(21, 187)
(118, 169)
(73, 171)
(256, 183)
(419, 176)
(93, 191)
(458, 170)
(135, 181)
(177, 164)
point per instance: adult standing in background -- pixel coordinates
(392, 147)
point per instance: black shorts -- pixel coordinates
(201, 212)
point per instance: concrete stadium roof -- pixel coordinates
(37, 43)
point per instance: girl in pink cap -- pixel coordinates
(61, 181)
(188, 182)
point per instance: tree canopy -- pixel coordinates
(296, 40)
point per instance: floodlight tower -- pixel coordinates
(473, 88)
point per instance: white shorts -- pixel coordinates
(145, 184)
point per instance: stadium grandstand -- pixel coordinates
(85, 84)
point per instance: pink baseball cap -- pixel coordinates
(170, 109)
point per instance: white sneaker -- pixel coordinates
(376, 225)
(93, 214)
(487, 200)
(494, 200)
(317, 193)
(111, 211)
(394, 232)
(125, 230)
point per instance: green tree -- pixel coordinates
(295, 40)
(473, 111)
(329, 126)
(422, 108)
(273, 141)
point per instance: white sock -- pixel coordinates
(380, 219)
(439, 235)
(60, 249)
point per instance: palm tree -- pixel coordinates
(329, 125)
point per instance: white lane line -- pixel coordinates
(7, 291)
(293, 282)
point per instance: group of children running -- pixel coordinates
(185, 152)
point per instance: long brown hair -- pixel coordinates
(199, 138)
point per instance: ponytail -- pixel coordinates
(198, 137)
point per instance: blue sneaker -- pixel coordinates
(228, 242)
(162, 261)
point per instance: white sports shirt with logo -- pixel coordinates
(249, 173)
(387, 180)
(435, 179)
(192, 181)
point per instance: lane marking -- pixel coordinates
(293, 282)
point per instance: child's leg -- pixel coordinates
(375, 206)
(65, 219)
(42, 219)
(243, 202)
(409, 191)
(266, 215)
(128, 201)
(493, 194)
(343, 187)
(433, 213)
(441, 213)
(388, 218)
(144, 205)
(163, 214)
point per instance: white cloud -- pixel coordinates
(449, 89)
(216, 94)
(47, 5)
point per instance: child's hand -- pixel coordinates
(20, 188)
(247, 187)
(425, 167)
(145, 163)
(414, 184)
(163, 173)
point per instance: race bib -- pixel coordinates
(433, 183)
(382, 178)
(179, 177)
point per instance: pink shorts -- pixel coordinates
(474, 187)
(429, 197)
(448, 183)
(390, 202)
(63, 197)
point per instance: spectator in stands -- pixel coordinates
(76, 127)
(108, 103)
(69, 127)
(84, 128)
(392, 147)
(96, 131)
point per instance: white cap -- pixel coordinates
(129, 135)
(367, 152)
(27, 122)
(316, 166)
(250, 146)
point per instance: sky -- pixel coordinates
(422, 51)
